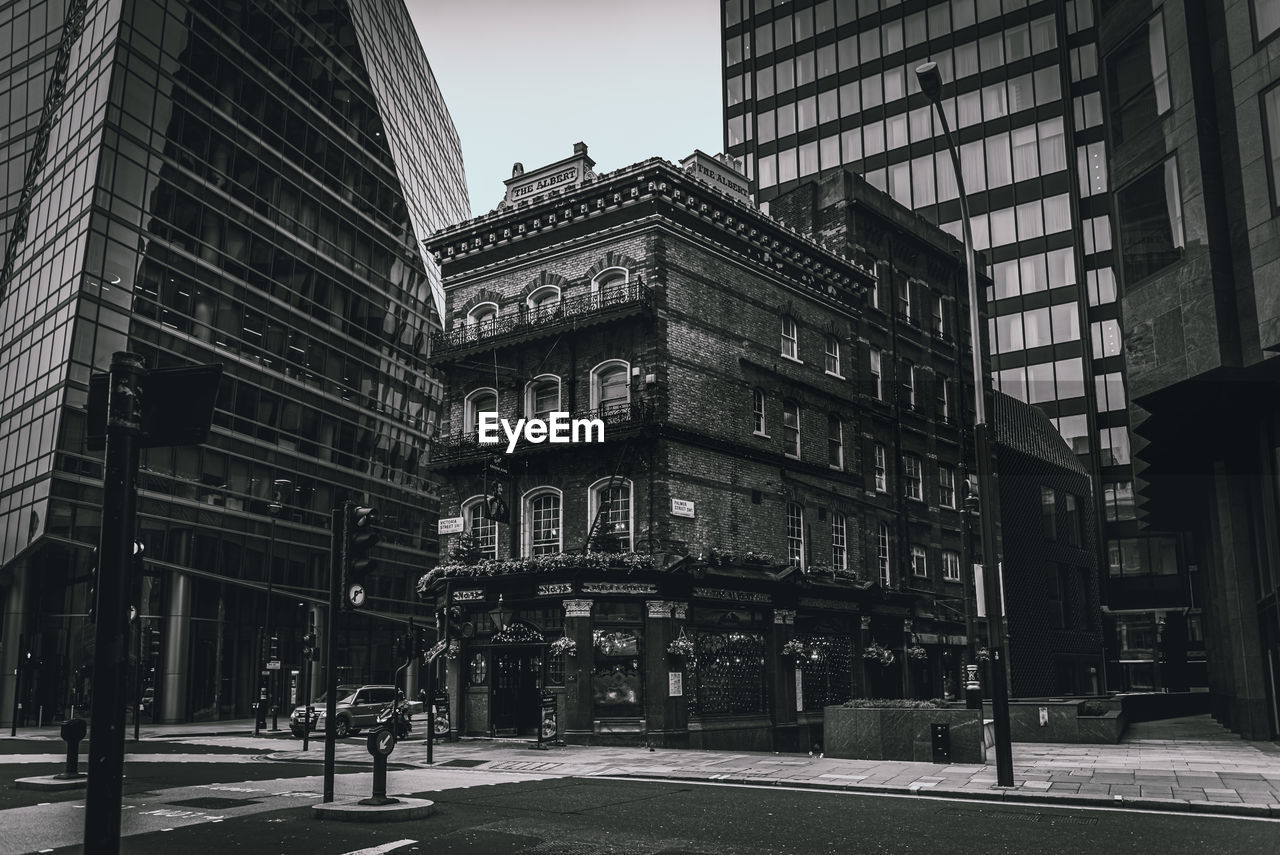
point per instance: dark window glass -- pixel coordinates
(1150, 222)
(1138, 80)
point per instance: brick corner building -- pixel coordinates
(772, 522)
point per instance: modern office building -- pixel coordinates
(815, 85)
(1193, 110)
(198, 182)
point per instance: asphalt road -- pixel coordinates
(593, 816)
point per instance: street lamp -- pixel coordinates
(931, 84)
(274, 507)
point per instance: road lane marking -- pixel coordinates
(386, 847)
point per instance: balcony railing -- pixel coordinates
(603, 302)
(463, 446)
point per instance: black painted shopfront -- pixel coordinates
(754, 665)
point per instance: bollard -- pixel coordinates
(381, 743)
(73, 731)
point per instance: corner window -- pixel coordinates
(542, 396)
(1138, 81)
(795, 535)
(832, 358)
(542, 522)
(609, 506)
(483, 529)
(790, 346)
(610, 385)
(1149, 213)
(1073, 522)
(757, 409)
(477, 402)
(881, 468)
(839, 550)
(791, 428)
(882, 555)
(835, 442)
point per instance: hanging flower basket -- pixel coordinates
(563, 646)
(917, 652)
(794, 648)
(681, 646)
(452, 651)
(882, 656)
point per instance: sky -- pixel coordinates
(526, 79)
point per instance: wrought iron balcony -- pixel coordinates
(463, 447)
(607, 303)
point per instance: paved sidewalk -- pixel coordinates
(1189, 764)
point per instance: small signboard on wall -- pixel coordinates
(675, 684)
(681, 508)
(450, 525)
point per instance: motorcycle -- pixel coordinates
(396, 716)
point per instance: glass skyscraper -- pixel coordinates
(813, 85)
(244, 182)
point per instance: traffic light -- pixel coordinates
(91, 612)
(309, 646)
(153, 644)
(359, 537)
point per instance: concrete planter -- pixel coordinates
(900, 734)
(1061, 721)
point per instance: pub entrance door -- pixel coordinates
(516, 690)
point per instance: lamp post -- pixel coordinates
(931, 84)
(275, 507)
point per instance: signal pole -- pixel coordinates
(111, 656)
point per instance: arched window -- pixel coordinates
(616, 518)
(610, 384)
(542, 531)
(757, 407)
(791, 428)
(478, 401)
(481, 527)
(544, 300)
(483, 313)
(610, 283)
(542, 396)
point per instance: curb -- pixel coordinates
(1231, 809)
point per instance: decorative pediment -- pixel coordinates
(542, 280)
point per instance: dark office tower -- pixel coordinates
(243, 182)
(812, 85)
(1193, 107)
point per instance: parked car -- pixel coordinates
(357, 708)
(295, 719)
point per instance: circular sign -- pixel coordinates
(381, 742)
(355, 594)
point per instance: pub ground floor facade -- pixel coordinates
(757, 654)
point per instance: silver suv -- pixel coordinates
(357, 708)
